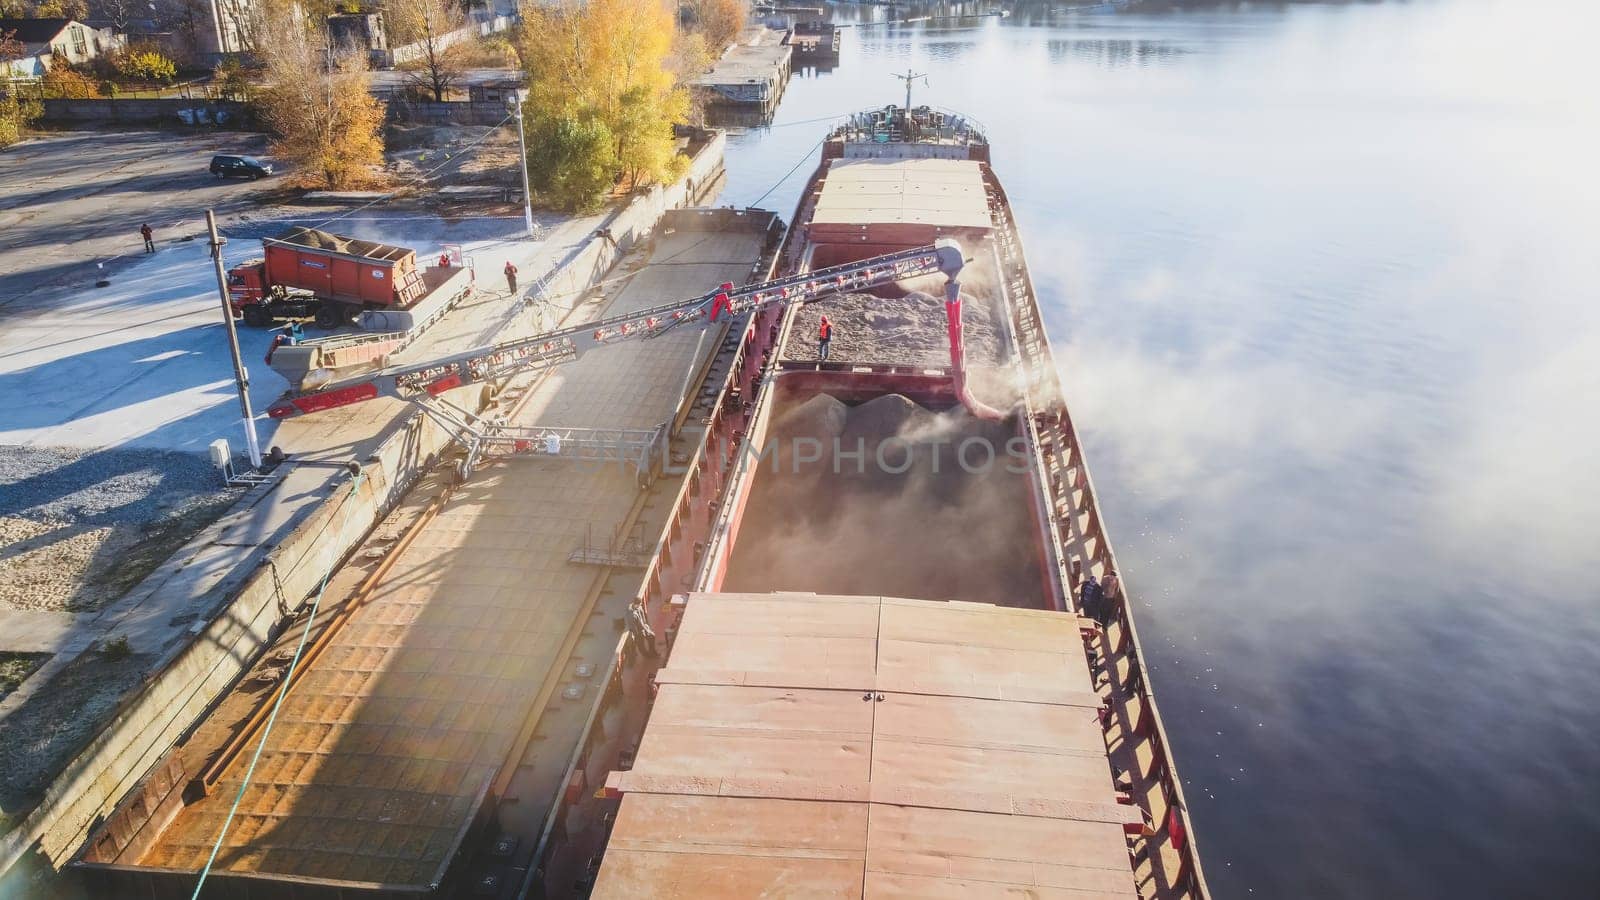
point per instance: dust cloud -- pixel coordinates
(906, 518)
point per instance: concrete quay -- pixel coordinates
(199, 620)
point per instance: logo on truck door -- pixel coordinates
(377, 273)
(313, 264)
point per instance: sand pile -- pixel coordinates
(907, 330)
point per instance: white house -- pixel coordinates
(40, 38)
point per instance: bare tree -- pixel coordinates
(240, 20)
(119, 12)
(244, 17)
(431, 25)
(720, 21)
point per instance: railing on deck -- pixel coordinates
(1050, 427)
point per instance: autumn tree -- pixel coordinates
(65, 81)
(719, 21)
(601, 69)
(61, 9)
(430, 25)
(16, 113)
(318, 104)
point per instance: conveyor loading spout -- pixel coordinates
(951, 263)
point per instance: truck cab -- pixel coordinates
(247, 292)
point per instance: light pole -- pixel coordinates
(241, 378)
(522, 141)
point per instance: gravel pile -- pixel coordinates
(80, 527)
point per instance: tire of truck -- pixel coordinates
(257, 315)
(329, 315)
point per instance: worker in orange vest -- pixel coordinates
(824, 337)
(511, 277)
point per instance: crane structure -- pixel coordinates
(426, 382)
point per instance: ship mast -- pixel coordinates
(908, 78)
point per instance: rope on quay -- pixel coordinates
(283, 691)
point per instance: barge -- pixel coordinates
(856, 673)
(863, 628)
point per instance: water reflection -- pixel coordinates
(1111, 53)
(1321, 280)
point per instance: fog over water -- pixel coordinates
(1322, 280)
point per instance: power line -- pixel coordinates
(485, 136)
(798, 163)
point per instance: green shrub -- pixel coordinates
(15, 116)
(572, 161)
(230, 79)
(116, 648)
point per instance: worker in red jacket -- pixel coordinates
(824, 337)
(511, 277)
(444, 260)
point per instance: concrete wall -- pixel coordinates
(254, 601)
(187, 681)
(453, 112)
(224, 113)
(414, 52)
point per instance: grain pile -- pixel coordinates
(905, 330)
(902, 519)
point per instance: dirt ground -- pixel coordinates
(39, 732)
(453, 155)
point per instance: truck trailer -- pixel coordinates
(330, 278)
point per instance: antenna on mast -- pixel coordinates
(908, 78)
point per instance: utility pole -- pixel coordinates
(522, 141)
(241, 378)
(909, 77)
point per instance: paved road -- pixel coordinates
(143, 362)
(70, 200)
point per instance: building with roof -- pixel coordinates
(46, 40)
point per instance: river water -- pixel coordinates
(1321, 279)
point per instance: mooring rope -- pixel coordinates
(283, 691)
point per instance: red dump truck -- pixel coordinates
(329, 277)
